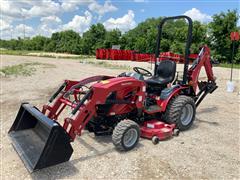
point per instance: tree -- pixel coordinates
(27, 44)
(220, 28)
(140, 45)
(177, 47)
(65, 41)
(143, 37)
(39, 42)
(144, 33)
(112, 38)
(93, 39)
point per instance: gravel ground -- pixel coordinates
(209, 150)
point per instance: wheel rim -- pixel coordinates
(187, 114)
(130, 137)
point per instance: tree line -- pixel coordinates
(215, 34)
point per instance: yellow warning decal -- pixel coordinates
(105, 81)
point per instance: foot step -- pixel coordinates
(153, 108)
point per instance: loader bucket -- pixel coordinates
(39, 141)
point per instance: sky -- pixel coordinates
(29, 18)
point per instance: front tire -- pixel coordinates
(126, 135)
(180, 111)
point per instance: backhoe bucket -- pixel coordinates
(39, 141)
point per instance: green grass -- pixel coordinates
(15, 52)
(24, 69)
(225, 65)
(78, 57)
(105, 64)
(26, 53)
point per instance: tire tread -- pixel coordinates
(119, 131)
(173, 111)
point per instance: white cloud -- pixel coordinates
(142, 10)
(16, 12)
(17, 31)
(47, 10)
(5, 34)
(10, 9)
(71, 5)
(22, 29)
(46, 30)
(4, 26)
(43, 8)
(123, 23)
(79, 23)
(197, 15)
(51, 19)
(49, 25)
(27, 9)
(39, 8)
(102, 9)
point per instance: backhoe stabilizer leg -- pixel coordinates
(209, 88)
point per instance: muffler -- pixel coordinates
(39, 141)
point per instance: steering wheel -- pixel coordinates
(142, 71)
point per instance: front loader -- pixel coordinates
(132, 105)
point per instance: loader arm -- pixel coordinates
(69, 87)
(202, 88)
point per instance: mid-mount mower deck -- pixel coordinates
(126, 107)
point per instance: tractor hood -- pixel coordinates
(118, 81)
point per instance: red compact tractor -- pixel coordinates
(129, 106)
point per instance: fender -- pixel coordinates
(164, 102)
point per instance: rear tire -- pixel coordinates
(180, 111)
(126, 135)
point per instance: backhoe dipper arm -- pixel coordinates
(203, 59)
(205, 87)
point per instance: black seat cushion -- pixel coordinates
(165, 73)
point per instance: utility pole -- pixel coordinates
(230, 83)
(234, 38)
(23, 27)
(11, 33)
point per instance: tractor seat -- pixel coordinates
(165, 73)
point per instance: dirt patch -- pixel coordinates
(105, 64)
(160, 170)
(209, 150)
(24, 69)
(58, 55)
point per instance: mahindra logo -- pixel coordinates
(128, 83)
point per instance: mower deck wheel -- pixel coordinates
(155, 140)
(126, 135)
(176, 132)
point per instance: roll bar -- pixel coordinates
(188, 43)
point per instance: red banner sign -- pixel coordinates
(234, 36)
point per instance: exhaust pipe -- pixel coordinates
(39, 141)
